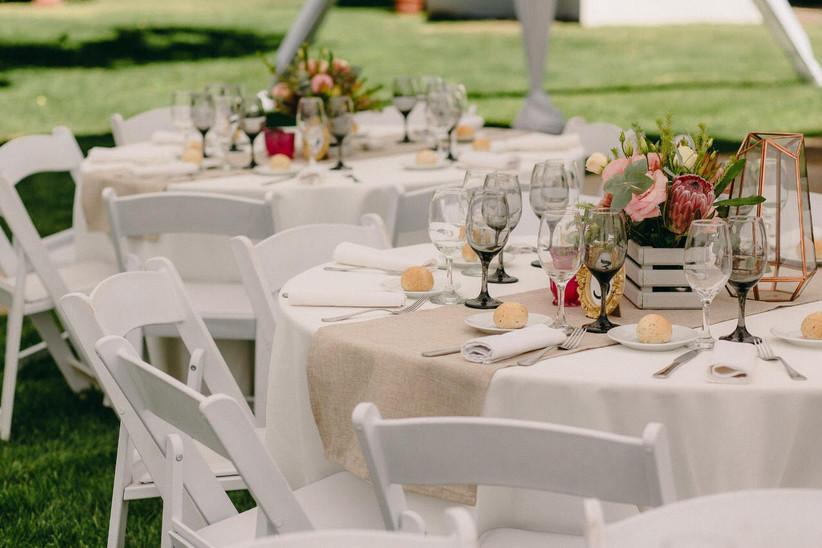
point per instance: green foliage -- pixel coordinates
(631, 181)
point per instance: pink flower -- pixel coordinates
(692, 197)
(280, 90)
(313, 66)
(616, 166)
(321, 82)
(341, 65)
(646, 205)
(654, 161)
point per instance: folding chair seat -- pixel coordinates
(408, 222)
(173, 414)
(267, 265)
(512, 453)
(141, 126)
(37, 271)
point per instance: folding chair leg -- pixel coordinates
(59, 350)
(262, 359)
(122, 478)
(14, 331)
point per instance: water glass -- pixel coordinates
(446, 228)
(311, 122)
(550, 189)
(560, 249)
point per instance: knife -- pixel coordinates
(443, 352)
(679, 360)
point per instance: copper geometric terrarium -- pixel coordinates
(775, 169)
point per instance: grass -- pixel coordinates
(77, 64)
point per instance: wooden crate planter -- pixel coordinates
(654, 278)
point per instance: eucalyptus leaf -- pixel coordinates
(620, 200)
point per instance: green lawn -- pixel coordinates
(77, 64)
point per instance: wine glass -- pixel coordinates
(202, 115)
(222, 128)
(311, 122)
(341, 121)
(405, 98)
(707, 267)
(459, 99)
(606, 244)
(487, 230)
(509, 184)
(560, 249)
(426, 82)
(181, 105)
(749, 252)
(446, 228)
(253, 121)
(441, 113)
(550, 189)
(473, 181)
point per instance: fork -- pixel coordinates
(410, 308)
(766, 353)
(573, 341)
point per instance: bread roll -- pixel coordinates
(481, 144)
(812, 326)
(280, 162)
(426, 158)
(654, 329)
(465, 132)
(468, 254)
(511, 315)
(417, 278)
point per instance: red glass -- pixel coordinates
(571, 293)
(278, 141)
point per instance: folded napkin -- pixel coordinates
(331, 297)
(494, 348)
(395, 260)
(166, 137)
(732, 363)
(489, 160)
(171, 168)
(137, 153)
(538, 142)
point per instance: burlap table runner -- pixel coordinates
(379, 361)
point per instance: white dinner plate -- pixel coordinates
(794, 336)
(395, 284)
(425, 167)
(268, 170)
(626, 334)
(484, 321)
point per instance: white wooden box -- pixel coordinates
(655, 278)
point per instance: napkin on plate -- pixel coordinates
(331, 297)
(538, 142)
(137, 153)
(394, 260)
(732, 362)
(489, 160)
(494, 348)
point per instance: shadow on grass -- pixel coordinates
(135, 46)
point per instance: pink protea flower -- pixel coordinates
(691, 197)
(321, 82)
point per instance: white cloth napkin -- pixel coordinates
(732, 363)
(166, 137)
(331, 297)
(489, 160)
(538, 142)
(395, 260)
(173, 168)
(494, 348)
(137, 153)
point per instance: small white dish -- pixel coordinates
(626, 335)
(425, 167)
(794, 336)
(484, 321)
(395, 284)
(267, 170)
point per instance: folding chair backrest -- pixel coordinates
(167, 406)
(132, 300)
(512, 453)
(411, 212)
(140, 126)
(185, 213)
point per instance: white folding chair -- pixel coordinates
(122, 305)
(596, 136)
(511, 453)
(267, 265)
(173, 414)
(462, 533)
(756, 518)
(409, 217)
(36, 271)
(223, 306)
(140, 126)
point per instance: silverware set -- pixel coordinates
(573, 341)
(416, 305)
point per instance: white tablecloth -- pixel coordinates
(723, 437)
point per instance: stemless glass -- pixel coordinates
(749, 252)
(405, 91)
(473, 181)
(550, 189)
(707, 267)
(560, 250)
(509, 184)
(487, 230)
(311, 122)
(253, 121)
(446, 228)
(606, 244)
(341, 122)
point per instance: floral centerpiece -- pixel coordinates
(662, 186)
(323, 76)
